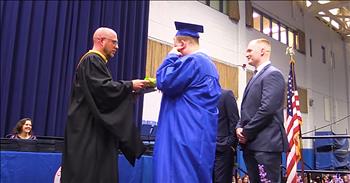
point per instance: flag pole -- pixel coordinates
(290, 51)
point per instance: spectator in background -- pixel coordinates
(239, 179)
(325, 178)
(23, 130)
(245, 179)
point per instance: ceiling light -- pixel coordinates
(308, 3)
(335, 24)
(323, 1)
(334, 15)
(334, 11)
(326, 18)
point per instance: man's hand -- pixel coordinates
(138, 84)
(241, 138)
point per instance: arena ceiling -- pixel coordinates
(334, 14)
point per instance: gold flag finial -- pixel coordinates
(290, 51)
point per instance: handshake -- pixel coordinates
(144, 86)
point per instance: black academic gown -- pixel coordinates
(99, 121)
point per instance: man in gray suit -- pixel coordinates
(260, 131)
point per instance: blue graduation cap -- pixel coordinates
(187, 29)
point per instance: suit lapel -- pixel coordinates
(251, 81)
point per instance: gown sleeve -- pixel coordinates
(175, 74)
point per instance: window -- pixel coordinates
(221, 5)
(291, 38)
(216, 5)
(300, 41)
(275, 29)
(283, 35)
(256, 21)
(230, 8)
(266, 26)
(224, 6)
(296, 41)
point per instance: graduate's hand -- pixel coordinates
(138, 84)
(175, 50)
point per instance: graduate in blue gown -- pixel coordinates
(187, 125)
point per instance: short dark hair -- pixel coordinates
(19, 125)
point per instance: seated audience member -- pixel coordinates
(325, 178)
(23, 130)
(245, 179)
(346, 178)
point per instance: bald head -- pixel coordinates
(105, 41)
(103, 32)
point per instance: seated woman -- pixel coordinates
(23, 130)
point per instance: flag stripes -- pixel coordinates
(292, 124)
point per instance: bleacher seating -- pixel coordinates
(148, 132)
(331, 153)
(152, 136)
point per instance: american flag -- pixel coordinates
(292, 125)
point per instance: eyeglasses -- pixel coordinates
(114, 42)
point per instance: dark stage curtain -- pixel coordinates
(41, 43)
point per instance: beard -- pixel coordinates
(109, 53)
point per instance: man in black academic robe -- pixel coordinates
(99, 118)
